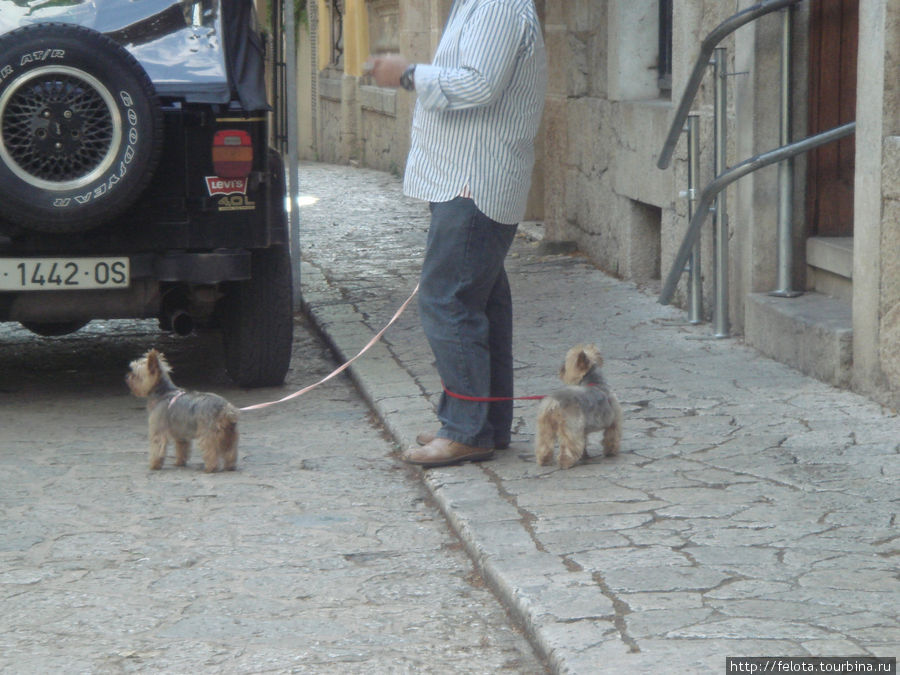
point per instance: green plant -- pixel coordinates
(300, 15)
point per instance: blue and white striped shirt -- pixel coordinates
(479, 107)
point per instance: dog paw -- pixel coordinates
(568, 462)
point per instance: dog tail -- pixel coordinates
(228, 422)
(231, 414)
(230, 434)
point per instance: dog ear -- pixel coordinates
(593, 354)
(583, 363)
(153, 362)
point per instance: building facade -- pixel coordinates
(800, 258)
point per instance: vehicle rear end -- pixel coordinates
(136, 167)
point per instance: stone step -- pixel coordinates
(832, 254)
(830, 266)
(812, 333)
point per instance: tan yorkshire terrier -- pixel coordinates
(586, 405)
(183, 416)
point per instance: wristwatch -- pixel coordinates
(408, 78)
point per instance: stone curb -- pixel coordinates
(521, 584)
(752, 510)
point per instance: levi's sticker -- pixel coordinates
(226, 186)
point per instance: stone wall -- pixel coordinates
(889, 339)
(876, 272)
(605, 121)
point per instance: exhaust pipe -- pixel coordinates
(181, 322)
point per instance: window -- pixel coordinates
(337, 32)
(634, 59)
(664, 64)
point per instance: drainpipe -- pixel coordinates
(695, 278)
(720, 223)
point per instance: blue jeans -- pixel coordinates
(466, 313)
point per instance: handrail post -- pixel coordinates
(735, 173)
(720, 222)
(695, 278)
(718, 34)
(785, 260)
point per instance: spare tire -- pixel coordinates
(80, 128)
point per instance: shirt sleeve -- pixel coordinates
(488, 47)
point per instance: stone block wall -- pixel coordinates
(876, 272)
(596, 182)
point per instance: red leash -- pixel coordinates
(490, 399)
(494, 399)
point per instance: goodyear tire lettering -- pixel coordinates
(90, 179)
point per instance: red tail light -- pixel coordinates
(232, 153)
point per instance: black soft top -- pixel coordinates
(201, 51)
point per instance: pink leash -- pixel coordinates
(344, 367)
(376, 338)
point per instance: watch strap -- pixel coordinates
(407, 79)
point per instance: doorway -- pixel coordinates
(833, 46)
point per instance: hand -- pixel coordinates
(386, 69)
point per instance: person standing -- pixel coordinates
(478, 108)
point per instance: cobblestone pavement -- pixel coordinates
(753, 510)
(319, 555)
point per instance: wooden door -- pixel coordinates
(833, 43)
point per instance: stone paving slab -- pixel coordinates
(753, 510)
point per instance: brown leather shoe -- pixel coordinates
(426, 437)
(443, 452)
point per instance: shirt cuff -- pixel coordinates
(428, 87)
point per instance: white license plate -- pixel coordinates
(63, 274)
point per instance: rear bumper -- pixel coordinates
(142, 299)
(192, 268)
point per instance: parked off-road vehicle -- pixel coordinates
(137, 177)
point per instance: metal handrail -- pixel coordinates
(727, 178)
(709, 43)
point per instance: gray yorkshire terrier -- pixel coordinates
(586, 405)
(183, 416)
